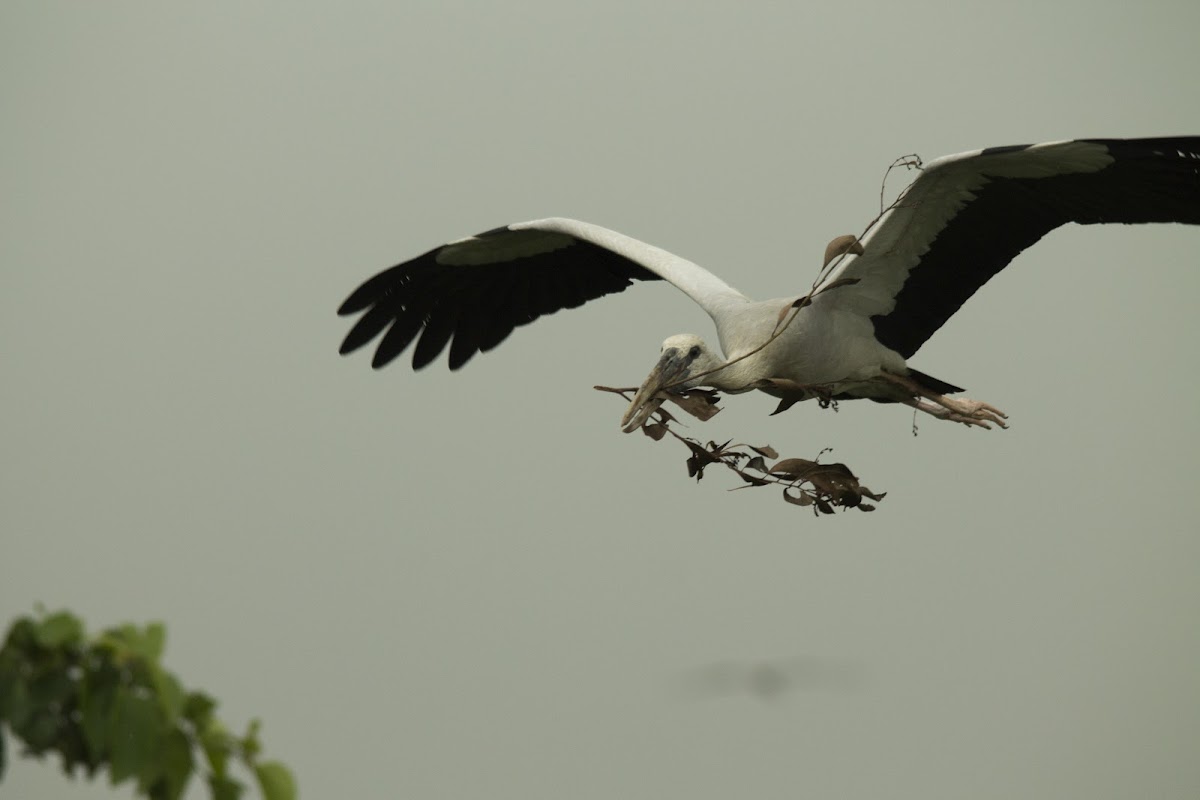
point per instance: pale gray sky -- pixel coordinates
(466, 585)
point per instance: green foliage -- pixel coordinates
(107, 702)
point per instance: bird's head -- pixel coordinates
(684, 362)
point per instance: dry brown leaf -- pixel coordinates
(699, 459)
(842, 244)
(664, 416)
(700, 403)
(804, 499)
(655, 430)
(793, 468)
(752, 480)
(783, 312)
(789, 392)
(840, 282)
(785, 404)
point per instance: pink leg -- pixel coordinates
(955, 409)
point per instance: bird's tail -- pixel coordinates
(932, 383)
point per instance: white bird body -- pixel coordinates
(825, 345)
(962, 220)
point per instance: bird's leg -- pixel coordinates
(955, 409)
(934, 410)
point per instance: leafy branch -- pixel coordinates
(107, 702)
(804, 482)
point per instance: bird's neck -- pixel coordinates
(736, 376)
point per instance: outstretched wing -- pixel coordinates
(478, 289)
(967, 216)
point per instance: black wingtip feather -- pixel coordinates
(371, 291)
(439, 327)
(480, 304)
(396, 340)
(367, 328)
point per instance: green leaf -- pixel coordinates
(136, 737)
(58, 630)
(121, 636)
(177, 763)
(224, 788)
(14, 700)
(2, 762)
(100, 691)
(168, 693)
(198, 708)
(129, 640)
(53, 688)
(37, 721)
(275, 780)
(251, 746)
(40, 732)
(21, 635)
(216, 743)
(153, 641)
(71, 747)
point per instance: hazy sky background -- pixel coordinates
(470, 585)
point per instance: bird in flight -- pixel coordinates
(962, 220)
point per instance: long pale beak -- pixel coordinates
(670, 368)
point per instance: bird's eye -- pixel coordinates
(694, 352)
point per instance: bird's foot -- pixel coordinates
(975, 413)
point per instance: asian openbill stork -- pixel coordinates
(959, 223)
